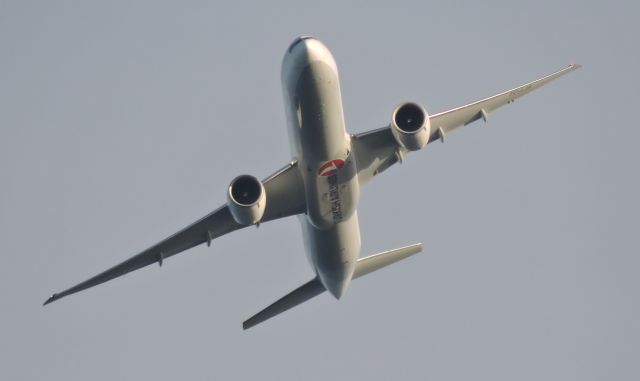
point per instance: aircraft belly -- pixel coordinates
(334, 252)
(332, 196)
(313, 105)
(319, 110)
(319, 140)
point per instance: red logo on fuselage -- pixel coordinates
(330, 167)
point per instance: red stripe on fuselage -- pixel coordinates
(330, 167)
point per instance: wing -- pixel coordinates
(285, 197)
(377, 150)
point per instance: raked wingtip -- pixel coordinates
(51, 299)
(248, 324)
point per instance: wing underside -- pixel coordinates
(377, 150)
(448, 121)
(285, 197)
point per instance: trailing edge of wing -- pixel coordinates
(285, 197)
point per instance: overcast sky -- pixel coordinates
(122, 122)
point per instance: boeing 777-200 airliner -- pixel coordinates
(321, 184)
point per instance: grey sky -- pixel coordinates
(122, 122)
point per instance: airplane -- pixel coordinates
(321, 184)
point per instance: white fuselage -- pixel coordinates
(322, 147)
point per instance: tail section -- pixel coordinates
(301, 294)
(314, 287)
(377, 261)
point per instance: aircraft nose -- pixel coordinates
(302, 53)
(297, 41)
(305, 49)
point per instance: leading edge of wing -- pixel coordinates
(285, 197)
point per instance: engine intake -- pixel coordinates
(410, 126)
(246, 199)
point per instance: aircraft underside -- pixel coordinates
(322, 182)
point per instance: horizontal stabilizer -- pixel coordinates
(314, 287)
(377, 261)
(301, 294)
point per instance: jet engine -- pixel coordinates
(410, 126)
(246, 199)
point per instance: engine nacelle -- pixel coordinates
(246, 200)
(410, 126)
